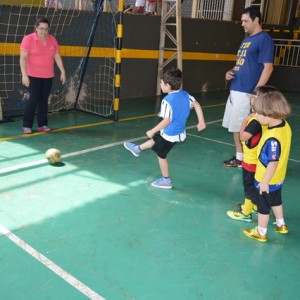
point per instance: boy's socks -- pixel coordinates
(262, 231)
(280, 222)
(247, 207)
(239, 156)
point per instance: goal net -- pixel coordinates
(86, 33)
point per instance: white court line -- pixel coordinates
(40, 257)
(224, 143)
(44, 161)
(207, 123)
(208, 139)
(43, 259)
(74, 282)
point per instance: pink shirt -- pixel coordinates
(40, 61)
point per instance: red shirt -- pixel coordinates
(40, 61)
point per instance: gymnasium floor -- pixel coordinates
(93, 227)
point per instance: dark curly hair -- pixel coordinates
(173, 77)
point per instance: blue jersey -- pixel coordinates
(254, 51)
(176, 106)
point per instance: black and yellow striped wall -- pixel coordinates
(209, 50)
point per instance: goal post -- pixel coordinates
(1, 115)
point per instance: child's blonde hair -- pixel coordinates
(272, 104)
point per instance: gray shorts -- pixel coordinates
(237, 109)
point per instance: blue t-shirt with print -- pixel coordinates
(179, 102)
(254, 51)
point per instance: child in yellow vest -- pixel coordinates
(272, 152)
(250, 135)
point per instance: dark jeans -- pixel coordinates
(39, 90)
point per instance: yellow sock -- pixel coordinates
(247, 207)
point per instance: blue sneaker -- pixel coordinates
(133, 148)
(162, 183)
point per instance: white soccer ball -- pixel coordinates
(53, 156)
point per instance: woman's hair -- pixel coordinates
(173, 77)
(41, 20)
(272, 104)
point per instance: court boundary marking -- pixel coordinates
(81, 287)
(44, 161)
(73, 281)
(224, 143)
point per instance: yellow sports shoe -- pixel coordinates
(236, 215)
(254, 234)
(282, 229)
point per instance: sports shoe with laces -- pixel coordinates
(133, 148)
(162, 183)
(44, 129)
(282, 229)
(232, 162)
(239, 216)
(254, 234)
(27, 130)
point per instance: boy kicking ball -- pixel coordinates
(175, 110)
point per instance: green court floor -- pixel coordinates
(93, 227)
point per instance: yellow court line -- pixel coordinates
(14, 137)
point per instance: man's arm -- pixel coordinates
(266, 74)
(229, 75)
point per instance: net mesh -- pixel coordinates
(86, 33)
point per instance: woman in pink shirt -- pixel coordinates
(39, 50)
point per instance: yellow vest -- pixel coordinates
(250, 146)
(283, 136)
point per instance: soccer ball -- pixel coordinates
(53, 156)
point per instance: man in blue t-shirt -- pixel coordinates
(253, 68)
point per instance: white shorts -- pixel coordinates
(237, 109)
(140, 3)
